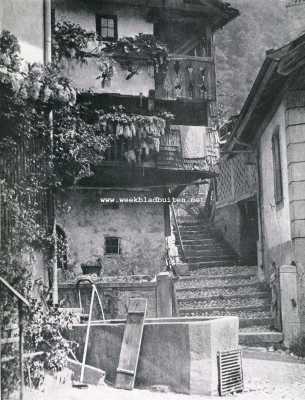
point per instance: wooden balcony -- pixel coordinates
(189, 78)
(186, 111)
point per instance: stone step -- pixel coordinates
(192, 230)
(216, 311)
(249, 317)
(185, 270)
(204, 245)
(236, 269)
(218, 276)
(217, 282)
(193, 266)
(184, 296)
(197, 235)
(250, 290)
(207, 251)
(224, 302)
(201, 242)
(223, 258)
(260, 339)
(249, 323)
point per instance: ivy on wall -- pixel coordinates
(36, 100)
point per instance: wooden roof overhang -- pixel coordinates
(217, 12)
(279, 72)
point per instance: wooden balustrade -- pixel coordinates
(187, 77)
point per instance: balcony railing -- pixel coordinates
(169, 156)
(187, 77)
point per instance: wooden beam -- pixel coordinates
(132, 339)
(14, 292)
(185, 57)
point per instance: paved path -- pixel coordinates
(264, 380)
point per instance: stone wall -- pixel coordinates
(115, 297)
(228, 223)
(295, 119)
(115, 294)
(275, 217)
(131, 21)
(87, 222)
(180, 353)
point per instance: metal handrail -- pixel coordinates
(178, 230)
(21, 301)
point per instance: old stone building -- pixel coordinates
(129, 236)
(270, 134)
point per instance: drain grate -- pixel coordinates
(230, 374)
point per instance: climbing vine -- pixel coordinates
(35, 101)
(71, 41)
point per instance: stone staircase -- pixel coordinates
(213, 283)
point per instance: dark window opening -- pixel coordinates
(112, 245)
(107, 27)
(277, 168)
(62, 248)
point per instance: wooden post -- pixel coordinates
(164, 295)
(20, 317)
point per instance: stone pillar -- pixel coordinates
(289, 303)
(295, 122)
(164, 295)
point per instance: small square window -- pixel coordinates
(107, 27)
(112, 245)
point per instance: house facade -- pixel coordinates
(121, 216)
(269, 137)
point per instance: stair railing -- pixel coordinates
(21, 302)
(178, 230)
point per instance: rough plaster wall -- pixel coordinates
(131, 21)
(227, 222)
(276, 219)
(140, 228)
(25, 20)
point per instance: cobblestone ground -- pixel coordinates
(264, 380)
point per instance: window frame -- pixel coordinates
(119, 249)
(98, 23)
(277, 167)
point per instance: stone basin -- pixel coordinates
(180, 353)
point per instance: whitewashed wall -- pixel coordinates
(131, 21)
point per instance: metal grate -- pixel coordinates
(230, 374)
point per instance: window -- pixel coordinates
(277, 168)
(107, 27)
(112, 245)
